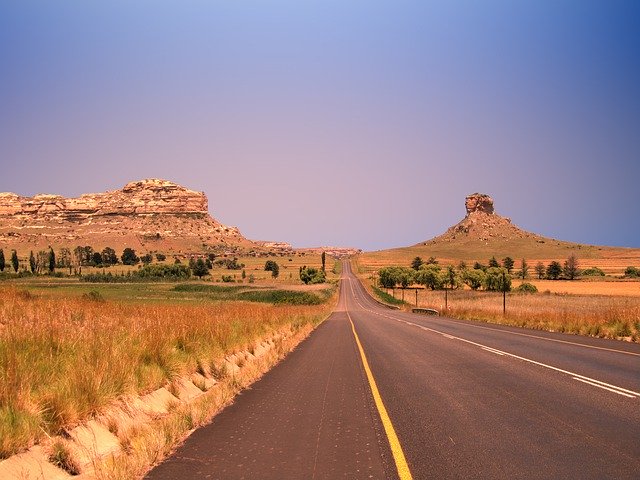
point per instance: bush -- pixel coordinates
(632, 272)
(526, 288)
(94, 296)
(592, 272)
(310, 275)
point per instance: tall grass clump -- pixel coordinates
(63, 360)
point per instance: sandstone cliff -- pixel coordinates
(150, 214)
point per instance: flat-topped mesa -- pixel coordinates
(479, 202)
(151, 196)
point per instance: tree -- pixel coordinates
(570, 269)
(2, 264)
(524, 269)
(14, 261)
(96, 259)
(432, 261)
(388, 277)
(508, 263)
(146, 258)
(405, 276)
(200, 268)
(64, 259)
(161, 257)
(109, 256)
(474, 278)
(310, 275)
(52, 260)
(324, 259)
(129, 257)
(554, 270)
(540, 270)
(32, 262)
(462, 266)
(416, 263)
(430, 276)
(493, 263)
(273, 267)
(451, 278)
(497, 280)
(479, 266)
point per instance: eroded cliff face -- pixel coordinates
(151, 196)
(153, 214)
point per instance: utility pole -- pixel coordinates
(416, 298)
(504, 294)
(446, 299)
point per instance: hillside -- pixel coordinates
(148, 215)
(482, 234)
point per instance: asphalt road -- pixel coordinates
(456, 399)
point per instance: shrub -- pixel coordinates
(310, 275)
(94, 296)
(632, 272)
(129, 257)
(474, 278)
(527, 287)
(592, 272)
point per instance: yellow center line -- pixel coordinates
(396, 449)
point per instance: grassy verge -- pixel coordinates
(386, 298)
(274, 296)
(63, 358)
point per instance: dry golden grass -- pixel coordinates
(64, 359)
(629, 288)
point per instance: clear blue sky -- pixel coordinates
(356, 123)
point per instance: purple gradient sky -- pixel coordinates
(330, 122)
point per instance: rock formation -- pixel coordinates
(479, 202)
(482, 224)
(150, 214)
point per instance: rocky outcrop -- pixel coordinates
(479, 202)
(152, 215)
(481, 224)
(150, 196)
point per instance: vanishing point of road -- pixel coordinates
(378, 393)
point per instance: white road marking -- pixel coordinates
(605, 388)
(576, 376)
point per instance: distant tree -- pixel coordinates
(63, 259)
(479, 266)
(388, 277)
(430, 276)
(15, 263)
(96, 259)
(493, 263)
(42, 261)
(432, 261)
(474, 278)
(324, 260)
(570, 269)
(200, 268)
(540, 270)
(109, 256)
(208, 263)
(32, 262)
(52, 260)
(524, 269)
(508, 263)
(273, 267)
(554, 270)
(244, 274)
(462, 266)
(310, 275)
(146, 259)
(129, 257)
(451, 278)
(211, 256)
(161, 257)
(405, 276)
(416, 263)
(497, 280)
(2, 264)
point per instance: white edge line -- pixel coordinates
(603, 387)
(583, 378)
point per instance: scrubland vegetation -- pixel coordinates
(476, 291)
(65, 355)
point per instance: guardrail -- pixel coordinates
(425, 311)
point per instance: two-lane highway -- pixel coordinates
(372, 388)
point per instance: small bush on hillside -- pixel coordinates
(592, 272)
(94, 296)
(632, 272)
(310, 275)
(526, 288)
